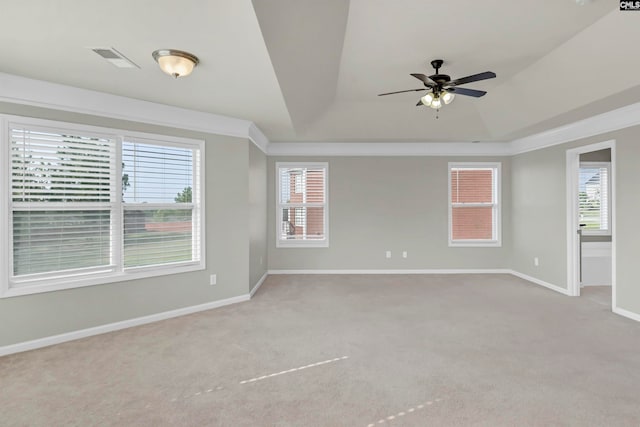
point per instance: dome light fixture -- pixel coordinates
(176, 63)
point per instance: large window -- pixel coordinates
(594, 202)
(474, 204)
(87, 205)
(302, 205)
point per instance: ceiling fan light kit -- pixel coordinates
(427, 99)
(176, 63)
(442, 90)
(435, 100)
(447, 97)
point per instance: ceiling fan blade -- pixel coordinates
(474, 78)
(424, 79)
(401, 91)
(467, 92)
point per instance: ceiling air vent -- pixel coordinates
(114, 57)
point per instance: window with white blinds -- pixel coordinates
(62, 188)
(594, 202)
(88, 207)
(474, 204)
(302, 205)
(159, 224)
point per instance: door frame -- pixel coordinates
(572, 170)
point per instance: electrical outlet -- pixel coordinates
(388, 254)
(536, 261)
(260, 260)
(213, 279)
(404, 254)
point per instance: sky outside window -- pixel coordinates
(156, 174)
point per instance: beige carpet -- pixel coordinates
(598, 294)
(468, 350)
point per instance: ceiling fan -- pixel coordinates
(442, 89)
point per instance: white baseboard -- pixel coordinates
(432, 271)
(110, 327)
(70, 336)
(257, 286)
(540, 282)
(629, 314)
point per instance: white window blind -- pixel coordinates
(474, 204)
(593, 197)
(159, 222)
(302, 204)
(86, 206)
(62, 186)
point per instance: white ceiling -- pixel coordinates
(308, 70)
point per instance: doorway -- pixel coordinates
(591, 222)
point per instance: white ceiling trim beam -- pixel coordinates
(388, 149)
(258, 138)
(610, 121)
(38, 93)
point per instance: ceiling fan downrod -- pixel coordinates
(437, 63)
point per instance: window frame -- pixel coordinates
(496, 241)
(282, 243)
(601, 232)
(11, 286)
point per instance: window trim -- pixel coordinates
(497, 220)
(280, 243)
(116, 271)
(607, 165)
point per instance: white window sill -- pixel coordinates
(302, 244)
(475, 244)
(20, 288)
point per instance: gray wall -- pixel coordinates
(626, 219)
(389, 203)
(539, 213)
(376, 204)
(34, 316)
(257, 215)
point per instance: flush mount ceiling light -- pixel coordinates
(176, 63)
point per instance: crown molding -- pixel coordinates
(388, 149)
(610, 121)
(258, 138)
(38, 93)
